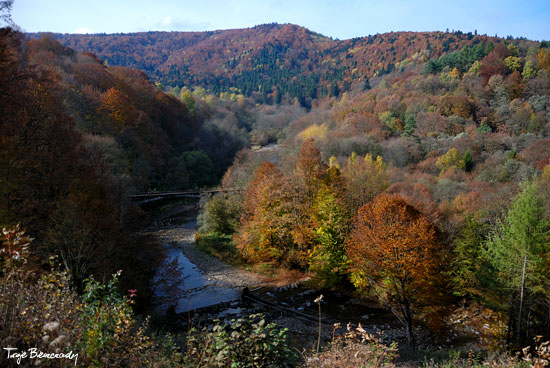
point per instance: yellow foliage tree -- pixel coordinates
(366, 178)
(454, 73)
(451, 159)
(314, 131)
(544, 59)
(513, 63)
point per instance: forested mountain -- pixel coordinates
(272, 61)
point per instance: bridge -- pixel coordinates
(143, 198)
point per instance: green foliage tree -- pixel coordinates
(518, 250)
(192, 169)
(468, 262)
(451, 159)
(474, 69)
(390, 121)
(328, 259)
(409, 126)
(366, 84)
(221, 214)
(529, 70)
(467, 161)
(188, 99)
(513, 63)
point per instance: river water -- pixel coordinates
(198, 291)
(222, 284)
(195, 289)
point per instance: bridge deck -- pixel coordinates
(185, 193)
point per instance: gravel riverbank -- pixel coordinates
(225, 275)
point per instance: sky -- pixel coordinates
(340, 19)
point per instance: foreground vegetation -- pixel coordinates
(41, 310)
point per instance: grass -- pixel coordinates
(220, 246)
(456, 360)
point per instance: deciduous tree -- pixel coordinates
(395, 252)
(331, 218)
(265, 230)
(366, 177)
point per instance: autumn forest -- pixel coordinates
(410, 170)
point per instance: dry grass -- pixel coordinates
(356, 348)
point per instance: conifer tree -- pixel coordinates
(517, 249)
(468, 261)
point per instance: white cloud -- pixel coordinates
(83, 30)
(167, 21)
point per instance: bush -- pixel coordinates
(111, 336)
(43, 311)
(219, 246)
(37, 312)
(243, 343)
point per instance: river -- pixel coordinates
(205, 280)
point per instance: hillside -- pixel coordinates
(79, 137)
(271, 61)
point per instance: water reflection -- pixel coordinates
(197, 291)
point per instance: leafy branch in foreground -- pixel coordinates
(250, 342)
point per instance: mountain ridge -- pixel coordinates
(270, 61)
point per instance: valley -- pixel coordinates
(270, 196)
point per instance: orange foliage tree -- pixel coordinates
(264, 233)
(309, 170)
(395, 253)
(117, 106)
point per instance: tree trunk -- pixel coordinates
(409, 324)
(522, 290)
(528, 323)
(510, 321)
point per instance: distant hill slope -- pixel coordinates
(269, 61)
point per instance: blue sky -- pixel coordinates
(337, 18)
